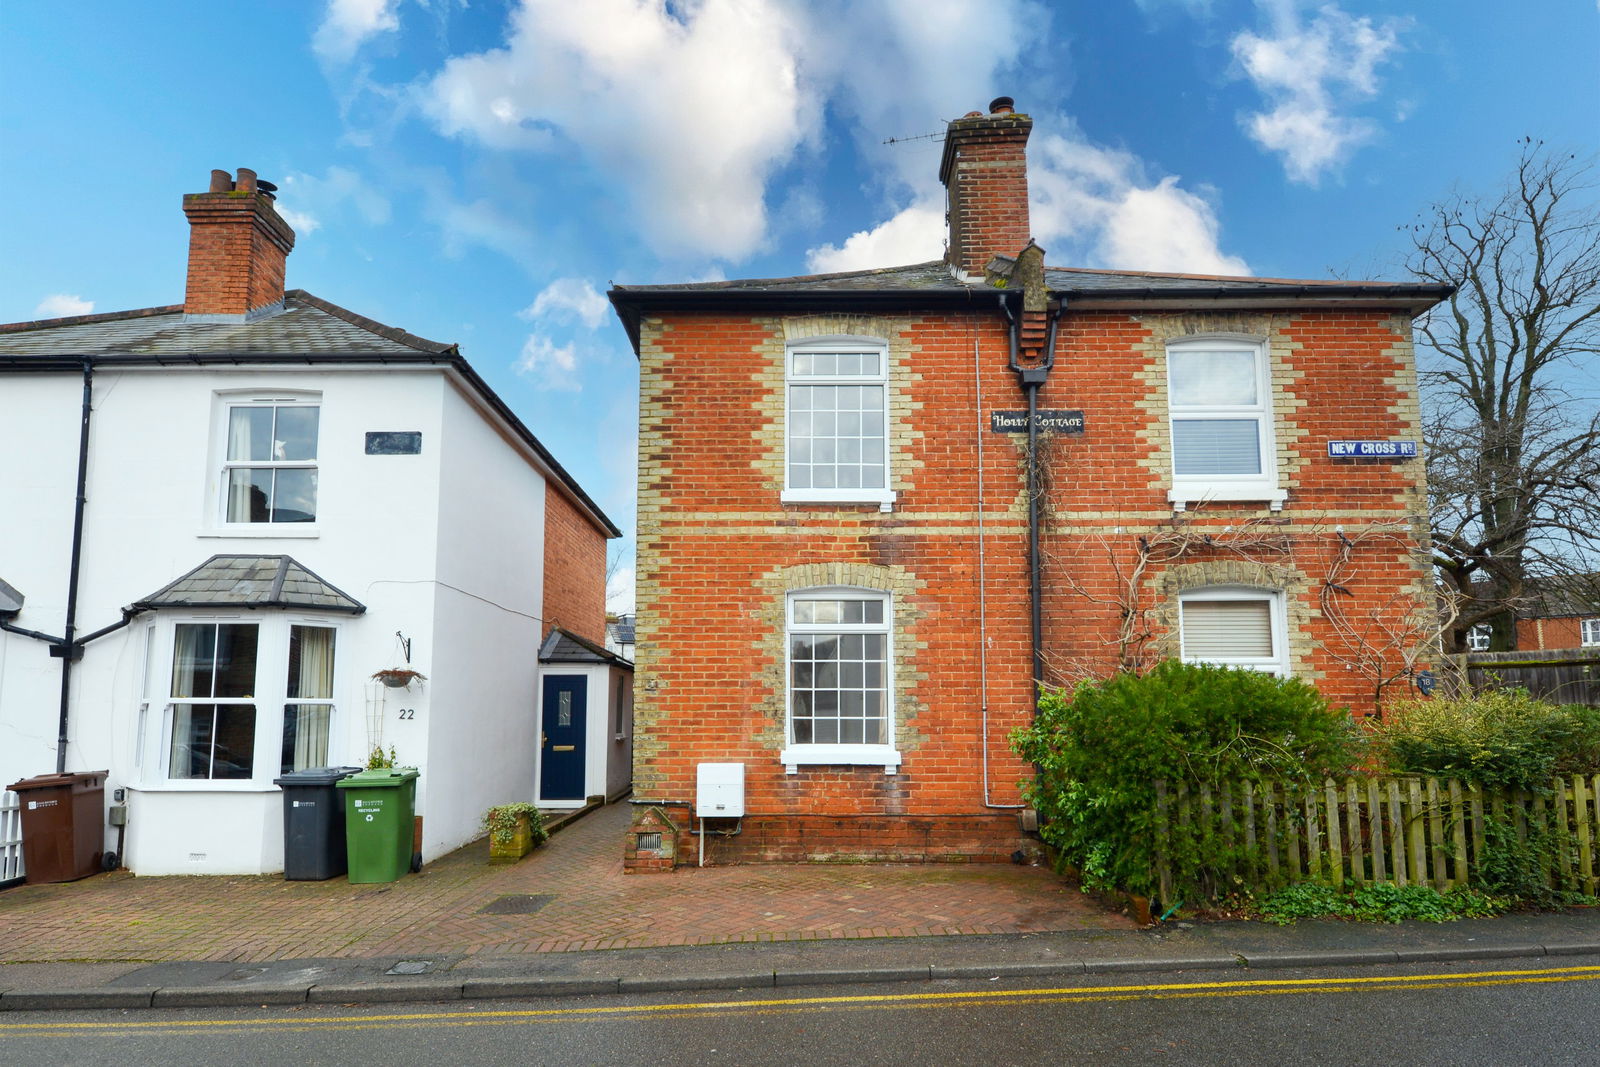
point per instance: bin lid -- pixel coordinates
(382, 778)
(315, 776)
(56, 781)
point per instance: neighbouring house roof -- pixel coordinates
(1554, 598)
(250, 582)
(305, 331)
(564, 647)
(10, 599)
(621, 631)
(1083, 289)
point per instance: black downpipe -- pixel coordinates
(1031, 378)
(69, 648)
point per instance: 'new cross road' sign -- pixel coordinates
(1369, 449)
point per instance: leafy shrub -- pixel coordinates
(1375, 902)
(502, 819)
(1497, 738)
(1101, 748)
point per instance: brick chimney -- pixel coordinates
(985, 173)
(237, 246)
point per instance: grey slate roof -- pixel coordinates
(1084, 289)
(10, 599)
(564, 647)
(250, 582)
(305, 325)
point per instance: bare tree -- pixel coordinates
(1509, 374)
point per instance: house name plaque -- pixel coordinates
(1053, 420)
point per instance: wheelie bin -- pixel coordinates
(313, 823)
(63, 825)
(379, 806)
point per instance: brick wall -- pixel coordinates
(238, 244)
(718, 551)
(574, 569)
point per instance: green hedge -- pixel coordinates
(1101, 748)
(1504, 738)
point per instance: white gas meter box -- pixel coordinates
(719, 791)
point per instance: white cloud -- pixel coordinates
(566, 299)
(691, 108)
(914, 235)
(305, 199)
(550, 365)
(1309, 73)
(62, 305)
(1093, 206)
(348, 24)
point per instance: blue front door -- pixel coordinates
(561, 738)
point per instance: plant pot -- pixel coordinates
(395, 681)
(520, 844)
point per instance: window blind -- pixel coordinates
(1227, 629)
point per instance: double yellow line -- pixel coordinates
(1087, 994)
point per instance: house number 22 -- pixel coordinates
(408, 713)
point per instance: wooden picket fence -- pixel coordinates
(11, 871)
(1410, 831)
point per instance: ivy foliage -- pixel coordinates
(502, 819)
(1375, 902)
(1503, 738)
(1101, 748)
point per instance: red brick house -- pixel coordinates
(857, 549)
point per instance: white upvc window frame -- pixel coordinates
(1589, 632)
(1278, 662)
(157, 718)
(884, 754)
(882, 496)
(1190, 489)
(1480, 637)
(225, 404)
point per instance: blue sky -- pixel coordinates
(481, 172)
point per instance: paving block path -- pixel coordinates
(591, 905)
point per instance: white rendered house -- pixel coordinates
(279, 498)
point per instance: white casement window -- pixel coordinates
(840, 691)
(837, 423)
(269, 460)
(1479, 637)
(1589, 632)
(245, 701)
(1234, 627)
(1219, 396)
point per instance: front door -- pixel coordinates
(561, 739)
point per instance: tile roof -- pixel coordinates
(305, 325)
(564, 647)
(250, 582)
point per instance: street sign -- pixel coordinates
(1054, 420)
(1370, 449)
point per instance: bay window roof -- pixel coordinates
(250, 582)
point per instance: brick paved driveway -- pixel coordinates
(592, 905)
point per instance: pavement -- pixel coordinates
(566, 921)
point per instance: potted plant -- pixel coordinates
(513, 831)
(399, 677)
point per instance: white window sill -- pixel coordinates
(281, 531)
(206, 785)
(884, 498)
(1183, 494)
(796, 756)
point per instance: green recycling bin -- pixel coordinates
(378, 810)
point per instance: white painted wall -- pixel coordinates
(445, 546)
(608, 760)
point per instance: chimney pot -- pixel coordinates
(247, 180)
(221, 181)
(1002, 105)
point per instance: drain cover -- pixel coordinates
(410, 967)
(517, 904)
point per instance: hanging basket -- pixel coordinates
(399, 677)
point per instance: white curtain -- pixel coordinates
(239, 425)
(312, 681)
